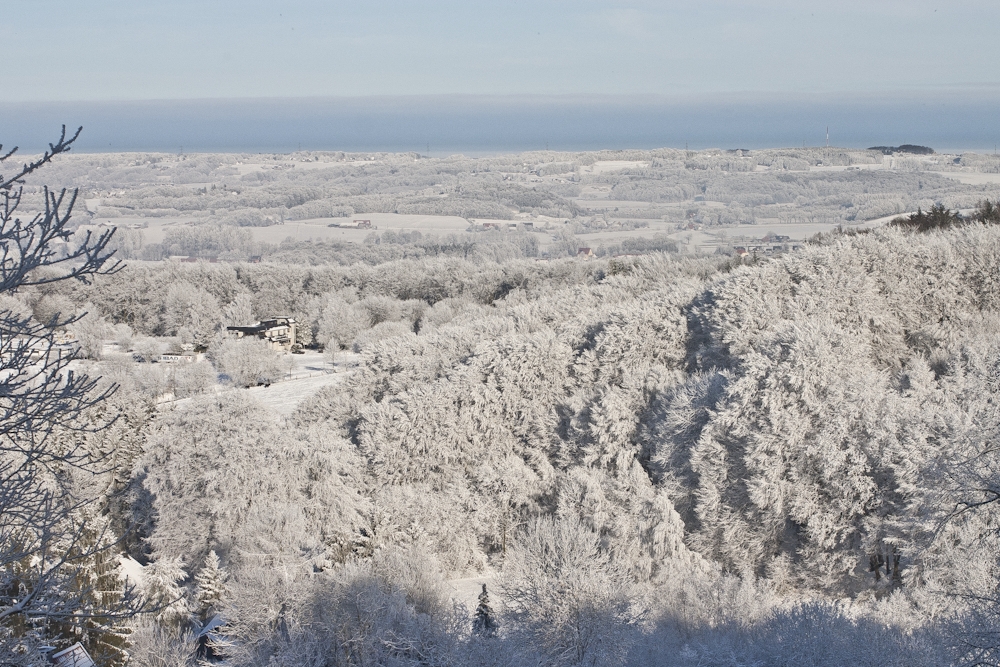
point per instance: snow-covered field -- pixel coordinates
(970, 178)
(284, 397)
(154, 230)
(317, 229)
(604, 166)
(308, 374)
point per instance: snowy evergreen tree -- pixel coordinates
(163, 583)
(484, 621)
(210, 588)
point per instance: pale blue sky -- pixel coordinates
(182, 49)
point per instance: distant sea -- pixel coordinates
(479, 125)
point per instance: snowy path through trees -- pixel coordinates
(467, 590)
(284, 397)
(309, 374)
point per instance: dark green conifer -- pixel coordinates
(484, 623)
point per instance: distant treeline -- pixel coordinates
(905, 148)
(939, 217)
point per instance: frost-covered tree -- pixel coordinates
(246, 362)
(154, 646)
(191, 313)
(56, 571)
(330, 353)
(210, 587)
(341, 321)
(239, 313)
(91, 330)
(290, 499)
(162, 582)
(567, 597)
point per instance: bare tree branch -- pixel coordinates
(49, 537)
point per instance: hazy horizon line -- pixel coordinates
(510, 123)
(988, 90)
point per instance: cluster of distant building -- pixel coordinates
(771, 244)
(212, 259)
(511, 226)
(278, 332)
(353, 224)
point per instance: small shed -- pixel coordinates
(211, 641)
(74, 656)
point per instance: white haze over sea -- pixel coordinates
(474, 125)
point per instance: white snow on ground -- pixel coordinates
(319, 228)
(308, 374)
(285, 396)
(604, 166)
(466, 591)
(970, 178)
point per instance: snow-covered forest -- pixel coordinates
(647, 460)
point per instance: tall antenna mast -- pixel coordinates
(827, 136)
